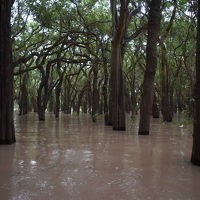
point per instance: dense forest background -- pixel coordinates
(62, 56)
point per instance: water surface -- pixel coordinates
(75, 159)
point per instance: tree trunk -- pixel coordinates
(44, 91)
(84, 104)
(155, 110)
(117, 89)
(166, 107)
(95, 95)
(120, 20)
(34, 103)
(80, 98)
(133, 95)
(40, 104)
(128, 101)
(195, 159)
(7, 132)
(57, 103)
(89, 98)
(23, 99)
(105, 95)
(66, 107)
(151, 62)
(50, 106)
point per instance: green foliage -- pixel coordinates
(79, 32)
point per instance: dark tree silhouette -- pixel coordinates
(7, 132)
(154, 20)
(195, 159)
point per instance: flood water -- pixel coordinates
(75, 159)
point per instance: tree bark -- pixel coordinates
(105, 94)
(95, 95)
(154, 21)
(117, 89)
(195, 158)
(155, 110)
(23, 99)
(119, 23)
(166, 107)
(66, 106)
(7, 132)
(57, 103)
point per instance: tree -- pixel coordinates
(154, 21)
(195, 159)
(7, 132)
(121, 16)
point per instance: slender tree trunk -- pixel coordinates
(51, 106)
(195, 159)
(133, 95)
(151, 62)
(66, 107)
(105, 95)
(89, 98)
(34, 103)
(41, 111)
(44, 92)
(57, 103)
(7, 132)
(166, 106)
(95, 99)
(84, 104)
(80, 98)
(101, 106)
(109, 116)
(23, 99)
(42, 102)
(128, 100)
(155, 110)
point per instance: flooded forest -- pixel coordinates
(99, 99)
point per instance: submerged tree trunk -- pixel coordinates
(80, 98)
(155, 110)
(84, 104)
(195, 159)
(128, 101)
(105, 95)
(45, 90)
(23, 99)
(166, 107)
(50, 106)
(57, 103)
(133, 95)
(66, 106)
(40, 106)
(7, 132)
(95, 96)
(119, 23)
(109, 120)
(151, 62)
(117, 89)
(34, 104)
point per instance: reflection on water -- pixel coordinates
(75, 159)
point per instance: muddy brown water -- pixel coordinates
(75, 159)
